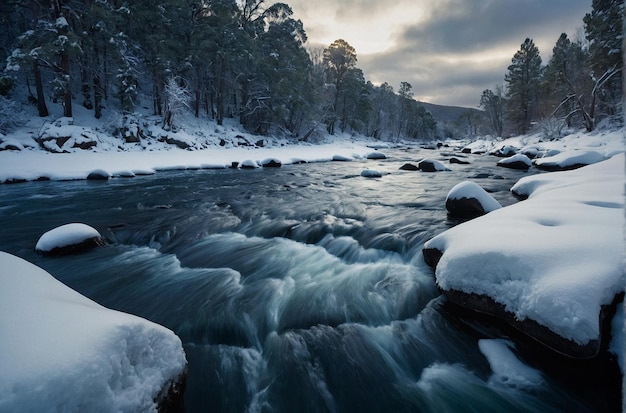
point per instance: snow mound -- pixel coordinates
(271, 163)
(60, 351)
(249, 164)
(569, 160)
(555, 258)
(66, 236)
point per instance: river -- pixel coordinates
(299, 288)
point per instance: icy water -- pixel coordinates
(299, 289)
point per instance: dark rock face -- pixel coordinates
(409, 167)
(464, 208)
(171, 400)
(77, 248)
(458, 161)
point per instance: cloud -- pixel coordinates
(449, 50)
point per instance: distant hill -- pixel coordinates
(447, 114)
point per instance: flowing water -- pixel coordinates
(296, 289)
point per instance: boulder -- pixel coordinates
(371, 173)
(376, 155)
(455, 160)
(271, 163)
(409, 167)
(69, 239)
(468, 200)
(504, 151)
(249, 164)
(430, 165)
(98, 175)
(518, 161)
(341, 158)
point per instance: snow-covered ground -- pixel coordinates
(60, 351)
(554, 258)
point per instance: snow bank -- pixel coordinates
(31, 165)
(66, 235)
(61, 351)
(554, 258)
(569, 160)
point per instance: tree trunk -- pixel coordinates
(41, 99)
(67, 93)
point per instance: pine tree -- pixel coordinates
(523, 82)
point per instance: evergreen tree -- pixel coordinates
(604, 31)
(338, 59)
(523, 82)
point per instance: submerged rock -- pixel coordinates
(371, 173)
(376, 155)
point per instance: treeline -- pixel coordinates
(581, 85)
(242, 59)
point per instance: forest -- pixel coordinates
(249, 60)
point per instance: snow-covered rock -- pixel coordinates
(504, 151)
(98, 175)
(376, 155)
(68, 238)
(60, 351)
(569, 160)
(249, 164)
(430, 165)
(271, 163)
(468, 200)
(549, 265)
(517, 161)
(341, 158)
(371, 173)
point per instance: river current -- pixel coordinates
(297, 289)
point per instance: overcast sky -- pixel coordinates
(448, 50)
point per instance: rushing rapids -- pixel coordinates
(300, 288)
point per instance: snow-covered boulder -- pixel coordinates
(271, 163)
(60, 351)
(468, 200)
(551, 265)
(68, 239)
(456, 160)
(341, 158)
(430, 165)
(249, 164)
(517, 161)
(98, 175)
(371, 173)
(376, 155)
(568, 160)
(504, 151)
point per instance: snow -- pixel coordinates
(521, 158)
(471, 190)
(65, 235)
(570, 158)
(506, 367)
(554, 258)
(30, 165)
(61, 351)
